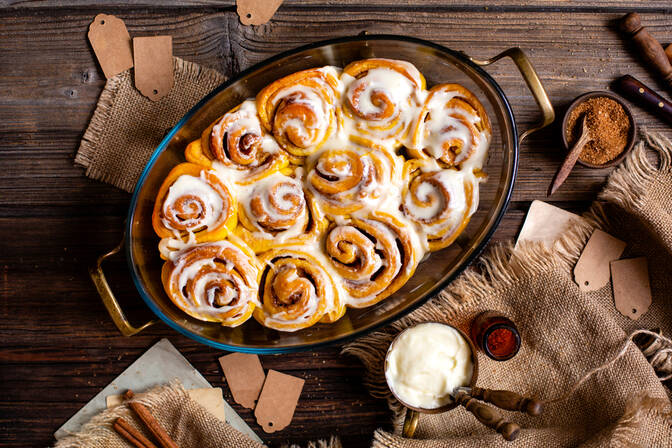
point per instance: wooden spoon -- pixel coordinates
(571, 159)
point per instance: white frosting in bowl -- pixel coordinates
(426, 363)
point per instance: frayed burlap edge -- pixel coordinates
(89, 432)
(620, 435)
(502, 266)
(101, 119)
(628, 184)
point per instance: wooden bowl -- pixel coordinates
(452, 404)
(631, 136)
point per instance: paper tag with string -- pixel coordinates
(111, 43)
(256, 12)
(153, 58)
(592, 270)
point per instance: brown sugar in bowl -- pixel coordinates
(631, 133)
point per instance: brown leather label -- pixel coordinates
(153, 58)
(245, 377)
(631, 286)
(278, 401)
(111, 43)
(256, 12)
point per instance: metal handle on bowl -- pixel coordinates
(533, 82)
(107, 296)
(410, 423)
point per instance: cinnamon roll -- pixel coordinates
(349, 179)
(193, 204)
(301, 202)
(383, 97)
(275, 211)
(373, 256)
(300, 110)
(296, 290)
(453, 128)
(439, 201)
(214, 282)
(237, 142)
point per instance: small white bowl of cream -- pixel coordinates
(426, 362)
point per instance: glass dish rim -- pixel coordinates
(373, 327)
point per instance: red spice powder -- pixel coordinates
(501, 342)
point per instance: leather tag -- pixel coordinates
(592, 270)
(245, 377)
(256, 12)
(278, 401)
(153, 58)
(111, 43)
(631, 286)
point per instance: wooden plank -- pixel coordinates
(57, 342)
(49, 88)
(434, 5)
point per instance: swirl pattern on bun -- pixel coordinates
(278, 211)
(374, 256)
(440, 202)
(300, 110)
(194, 204)
(237, 142)
(352, 178)
(215, 282)
(382, 96)
(297, 291)
(452, 128)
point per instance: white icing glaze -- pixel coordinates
(207, 205)
(331, 289)
(201, 303)
(363, 98)
(441, 124)
(284, 208)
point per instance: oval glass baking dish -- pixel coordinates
(438, 64)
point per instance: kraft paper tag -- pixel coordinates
(592, 270)
(256, 12)
(153, 58)
(245, 377)
(546, 223)
(210, 398)
(277, 401)
(630, 283)
(111, 43)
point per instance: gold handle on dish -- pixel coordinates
(410, 423)
(533, 82)
(107, 296)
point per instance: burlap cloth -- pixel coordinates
(187, 422)
(126, 127)
(565, 332)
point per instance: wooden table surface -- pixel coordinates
(58, 347)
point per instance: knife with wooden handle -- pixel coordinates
(638, 92)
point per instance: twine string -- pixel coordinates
(659, 354)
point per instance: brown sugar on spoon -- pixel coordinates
(609, 127)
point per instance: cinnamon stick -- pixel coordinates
(132, 435)
(152, 424)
